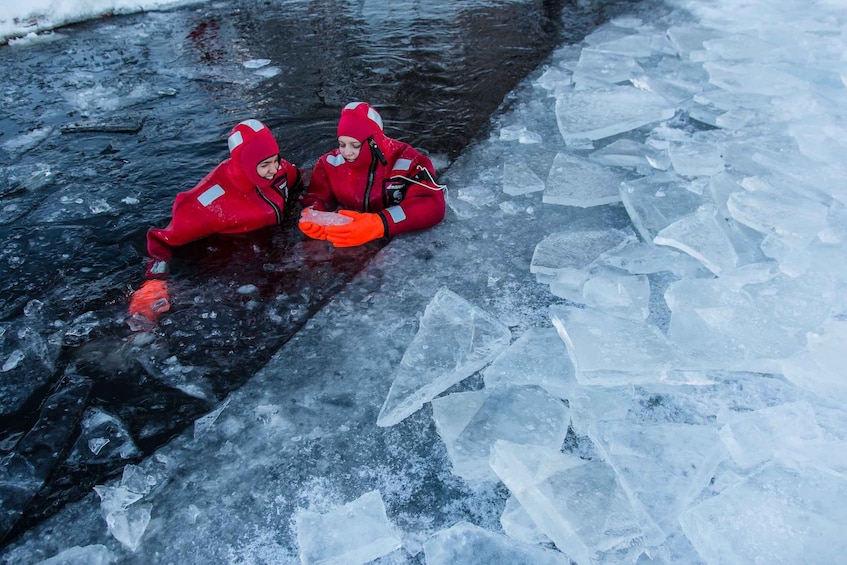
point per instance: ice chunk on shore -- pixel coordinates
(771, 517)
(355, 533)
(468, 544)
(655, 202)
(577, 503)
(575, 181)
(455, 340)
(538, 357)
(608, 350)
(701, 235)
(595, 114)
(524, 415)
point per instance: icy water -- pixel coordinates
(102, 125)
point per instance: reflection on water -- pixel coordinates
(99, 130)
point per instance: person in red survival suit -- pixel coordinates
(384, 185)
(246, 192)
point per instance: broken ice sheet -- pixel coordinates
(455, 340)
(627, 296)
(654, 202)
(634, 45)
(102, 437)
(641, 258)
(778, 210)
(519, 179)
(575, 181)
(355, 533)
(605, 66)
(786, 430)
(662, 467)
(126, 520)
(609, 350)
(95, 554)
(751, 328)
(451, 414)
(519, 133)
(595, 114)
(572, 251)
(538, 357)
(519, 525)
(770, 517)
(467, 544)
(204, 423)
(692, 158)
(752, 78)
(701, 235)
(819, 367)
(577, 503)
(256, 63)
(525, 415)
(632, 155)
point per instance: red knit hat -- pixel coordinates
(250, 143)
(360, 121)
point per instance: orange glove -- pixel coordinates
(315, 231)
(365, 227)
(147, 303)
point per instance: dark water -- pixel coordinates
(100, 128)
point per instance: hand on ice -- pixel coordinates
(313, 222)
(365, 227)
(147, 303)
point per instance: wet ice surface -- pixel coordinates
(710, 430)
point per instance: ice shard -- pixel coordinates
(455, 339)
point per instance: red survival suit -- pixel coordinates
(389, 189)
(231, 199)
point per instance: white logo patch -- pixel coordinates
(335, 160)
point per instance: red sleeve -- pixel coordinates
(293, 177)
(423, 206)
(190, 221)
(319, 194)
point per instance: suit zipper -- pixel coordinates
(371, 174)
(270, 202)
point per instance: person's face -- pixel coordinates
(349, 147)
(268, 168)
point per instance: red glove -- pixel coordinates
(365, 227)
(147, 303)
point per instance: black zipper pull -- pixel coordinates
(377, 151)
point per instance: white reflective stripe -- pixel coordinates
(234, 141)
(402, 165)
(237, 139)
(397, 214)
(255, 125)
(335, 160)
(374, 115)
(210, 195)
(158, 268)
